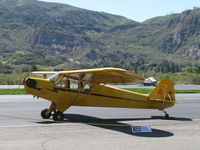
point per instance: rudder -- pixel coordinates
(164, 91)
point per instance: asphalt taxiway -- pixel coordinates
(98, 128)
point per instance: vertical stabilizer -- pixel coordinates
(164, 91)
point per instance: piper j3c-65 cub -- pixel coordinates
(88, 88)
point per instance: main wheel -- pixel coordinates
(166, 116)
(58, 116)
(45, 115)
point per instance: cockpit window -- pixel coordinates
(63, 81)
(60, 80)
(54, 78)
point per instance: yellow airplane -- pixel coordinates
(88, 88)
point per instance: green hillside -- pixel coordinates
(49, 34)
(36, 35)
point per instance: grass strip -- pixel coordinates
(142, 90)
(12, 91)
(187, 91)
(147, 91)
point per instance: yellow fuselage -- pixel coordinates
(99, 96)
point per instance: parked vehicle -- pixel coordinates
(150, 81)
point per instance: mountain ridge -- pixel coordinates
(59, 36)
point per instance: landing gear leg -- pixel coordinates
(166, 114)
(46, 113)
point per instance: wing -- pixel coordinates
(103, 75)
(44, 72)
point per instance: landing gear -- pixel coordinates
(166, 114)
(57, 115)
(45, 114)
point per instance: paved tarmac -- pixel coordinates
(88, 128)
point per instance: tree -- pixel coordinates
(34, 68)
(190, 69)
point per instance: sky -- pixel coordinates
(137, 10)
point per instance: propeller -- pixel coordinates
(22, 81)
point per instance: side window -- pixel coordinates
(73, 84)
(79, 85)
(87, 88)
(63, 82)
(67, 83)
(59, 80)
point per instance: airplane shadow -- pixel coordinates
(115, 125)
(171, 118)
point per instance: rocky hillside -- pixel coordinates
(179, 33)
(172, 34)
(35, 34)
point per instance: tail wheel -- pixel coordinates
(58, 116)
(45, 114)
(166, 116)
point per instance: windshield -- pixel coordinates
(55, 77)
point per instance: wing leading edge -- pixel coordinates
(100, 75)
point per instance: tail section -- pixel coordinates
(164, 92)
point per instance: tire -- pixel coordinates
(58, 116)
(167, 116)
(44, 114)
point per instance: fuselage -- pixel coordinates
(98, 95)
